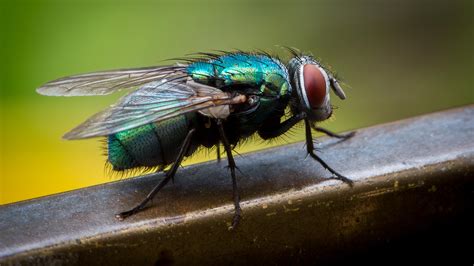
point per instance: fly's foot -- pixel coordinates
(334, 135)
(236, 219)
(342, 136)
(121, 216)
(343, 179)
(327, 167)
(348, 135)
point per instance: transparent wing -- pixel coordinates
(106, 82)
(155, 101)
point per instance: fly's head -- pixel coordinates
(311, 86)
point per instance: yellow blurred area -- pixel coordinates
(401, 58)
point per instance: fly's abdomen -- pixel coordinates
(150, 145)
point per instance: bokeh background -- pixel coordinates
(401, 58)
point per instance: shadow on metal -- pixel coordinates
(414, 190)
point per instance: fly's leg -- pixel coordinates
(169, 175)
(218, 150)
(310, 149)
(332, 134)
(276, 129)
(232, 166)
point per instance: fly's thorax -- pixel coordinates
(311, 84)
(257, 71)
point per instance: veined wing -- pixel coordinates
(153, 102)
(106, 82)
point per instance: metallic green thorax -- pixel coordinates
(262, 71)
(157, 144)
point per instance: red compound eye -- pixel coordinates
(315, 85)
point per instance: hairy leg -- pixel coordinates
(310, 149)
(332, 134)
(169, 175)
(232, 166)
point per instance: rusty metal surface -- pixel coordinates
(408, 175)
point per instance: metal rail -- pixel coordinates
(412, 177)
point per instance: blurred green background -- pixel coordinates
(401, 58)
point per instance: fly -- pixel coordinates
(209, 100)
